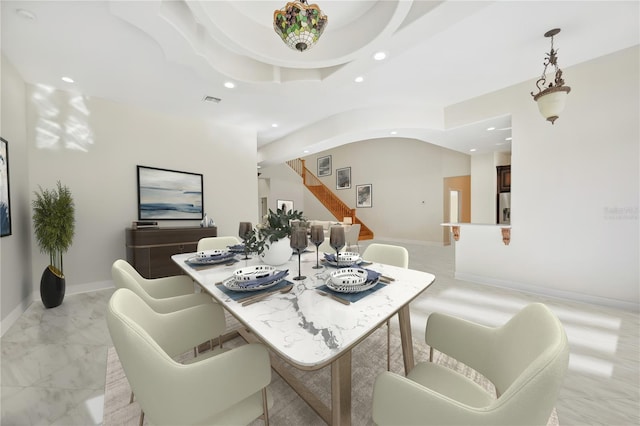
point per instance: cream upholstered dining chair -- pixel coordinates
(224, 388)
(217, 243)
(390, 255)
(163, 295)
(352, 235)
(526, 359)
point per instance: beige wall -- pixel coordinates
(575, 189)
(406, 177)
(93, 147)
(15, 255)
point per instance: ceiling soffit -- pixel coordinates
(237, 41)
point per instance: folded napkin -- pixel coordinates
(372, 275)
(258, 282)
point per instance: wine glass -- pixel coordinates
(337, 241)
(317, 238)
(299, 243)
(243, 232)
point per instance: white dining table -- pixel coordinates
(310, 331)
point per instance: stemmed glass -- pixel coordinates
(317, 238)
(337, 241)
(243, 232)
(299, 243)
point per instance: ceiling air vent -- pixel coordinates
(211, 99)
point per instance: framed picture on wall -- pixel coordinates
(286, 205)
(343, 178)
(5, 200)
(169, 194)
(324, 166)
(363, 196)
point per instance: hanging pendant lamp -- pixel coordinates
(299, 24)
(552, 96)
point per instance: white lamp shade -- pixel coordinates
(552, 104)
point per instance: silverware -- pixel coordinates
(249, 300)
(336, 298)
(387, 278)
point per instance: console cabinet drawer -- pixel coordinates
(149, 251)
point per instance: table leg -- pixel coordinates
(341, 390)
(405, 335)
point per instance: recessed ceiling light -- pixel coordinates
(26, 14)
(490, 128)
(507, 139)
(359, 79)
(306, 151)
(229, 85)
(473, 150)
(393, 132)
(379, 56)
(274, 125)
(67, 79)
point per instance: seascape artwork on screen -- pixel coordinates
(166, 194)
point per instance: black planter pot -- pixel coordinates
(52, 288)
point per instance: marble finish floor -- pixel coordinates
(53, 361)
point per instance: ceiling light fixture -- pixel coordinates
(379, 56)
(67, 79)
(299, 24)
(490, 129)
(229, 85)
(359, 79)
(552, 98)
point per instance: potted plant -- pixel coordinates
(271, 238)
(54, 222)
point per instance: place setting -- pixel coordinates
(215, 257)
(253, 283)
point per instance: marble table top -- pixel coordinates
(305, 328)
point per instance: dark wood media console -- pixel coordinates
(150, 250)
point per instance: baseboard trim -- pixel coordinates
(383, 240)
(548, 292)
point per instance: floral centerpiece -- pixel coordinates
(275, 227)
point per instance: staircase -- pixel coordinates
(328, 199)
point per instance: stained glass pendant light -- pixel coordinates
(551, 99)
(299, 24)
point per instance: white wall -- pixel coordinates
(407, 180)
(575, 188)
(93, 147)
(15, 255)
(100, 170)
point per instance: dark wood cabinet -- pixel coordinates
(504, 178)
(150, 250)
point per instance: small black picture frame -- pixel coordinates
(324, 166)
(343, 178)
(364, 196)
(5, 193)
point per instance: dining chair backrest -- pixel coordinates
(217, 243)
(387, 253)
(352, 234)
(165, 294)
(222, 389)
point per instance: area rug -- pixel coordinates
(368, 360)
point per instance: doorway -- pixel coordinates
(456, 203)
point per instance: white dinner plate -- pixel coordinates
(234, 285)
(348, 276)
(352, 288)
